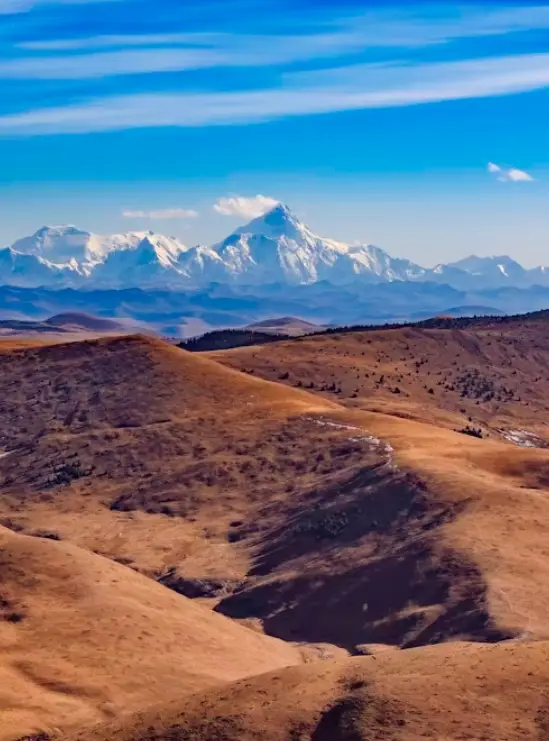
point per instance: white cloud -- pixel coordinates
(509, 175)
(135, 54)
(163, 213)
(248, 208)
(305, 93)
(518, 176)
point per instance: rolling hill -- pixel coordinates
(85, 639)
(453, 692)
(286, 325)
(292, 489)
(487, 371)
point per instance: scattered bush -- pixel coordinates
(66, 473)
(48, 534)
(472, 431)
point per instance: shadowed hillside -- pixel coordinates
(222, 339)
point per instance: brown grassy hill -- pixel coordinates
(492, 376)
(456, 549)
(108, 442)
(483, 499)
(323, 523)
(84, 639)
(458, 691)
(318, 517)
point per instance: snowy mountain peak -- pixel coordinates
(274, 247)
(154, 248)
(48, 236)
(58, 230)
(281, 217)
(475, 264)
(276, 223)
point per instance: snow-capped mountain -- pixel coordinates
(277, 247)
(67, 245)
(31, 271)
(150, 262)
(492, 270)
(274, 248)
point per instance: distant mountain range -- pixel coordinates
(275, 248)
(192, 312)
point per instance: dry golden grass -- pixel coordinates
(454, 692)
(84, 639)
(493, 492)
(158, 433)
(321, 517)
(364, 369)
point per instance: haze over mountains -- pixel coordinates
(274, 248)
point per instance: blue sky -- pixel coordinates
(374, 121)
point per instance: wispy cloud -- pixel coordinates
(108, 64)
(246, 207)
(12, 7)
(163, 213)
(348, 88)
(176, 54)
(509, 174)
(423, 26)
(120, 41)
(138, 54)
(265, 77)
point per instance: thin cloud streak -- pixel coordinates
(375, 29)
(122, 41)
(233, 51)
(162, 213)
(352, 88)
(14, 7)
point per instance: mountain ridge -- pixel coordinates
(274, 247)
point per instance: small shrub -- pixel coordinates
(66, 473)
(14, 617)
(48, 534)
(472, 431)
